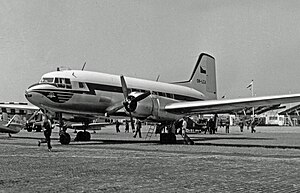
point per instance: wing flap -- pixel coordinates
(229, 105)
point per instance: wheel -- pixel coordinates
(83, 136)
(167, 138)
(79, 136)
(38, 128)
(29, 129)
(64, 138)
(87, 136)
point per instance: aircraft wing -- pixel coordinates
(18, 106)
(229, 105)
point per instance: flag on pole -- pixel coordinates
(250, 85)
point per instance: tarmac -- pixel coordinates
(265, 161)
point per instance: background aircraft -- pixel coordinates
(92, 94)
(12, 126)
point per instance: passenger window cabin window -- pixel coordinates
(161, 94)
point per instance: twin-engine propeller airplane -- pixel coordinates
(96, 94)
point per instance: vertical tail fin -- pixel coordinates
(203, 77)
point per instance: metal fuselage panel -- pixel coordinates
(91, 93)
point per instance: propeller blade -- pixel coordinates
(124, 87)
(141, 97)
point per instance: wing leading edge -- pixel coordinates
(229, 105)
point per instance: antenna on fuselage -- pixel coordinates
(157, 78)
(83, 66)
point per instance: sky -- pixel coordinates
(250, 39)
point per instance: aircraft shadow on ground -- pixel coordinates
(228, 138)
(144, 141)
(113, 141)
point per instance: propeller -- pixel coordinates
(130, 102)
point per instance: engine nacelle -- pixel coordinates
(150, 107)
(143, 108)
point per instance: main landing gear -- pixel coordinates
(168, 134)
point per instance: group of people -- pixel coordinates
(211, 126)
(136, 131)
(251, 124)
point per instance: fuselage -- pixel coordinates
(92, 93)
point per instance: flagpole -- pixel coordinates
(252, 93)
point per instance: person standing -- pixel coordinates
(138, 129)
(126, 126)
(47, 132)
(118, 126)
(184, 126)
(241, 124)
(227, 125)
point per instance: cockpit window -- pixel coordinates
(81, 85)
(67, 81)
(63, 83)
(47, 80)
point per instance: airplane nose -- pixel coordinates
(27, 95)
(32, 95)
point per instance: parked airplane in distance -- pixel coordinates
(88, 94)
(12, 126)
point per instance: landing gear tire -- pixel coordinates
(29, 129)
(38, 128)
(64, 138)
(167, 138)
(83, 136)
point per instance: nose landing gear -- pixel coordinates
(65, 138)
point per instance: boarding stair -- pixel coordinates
(150, 132)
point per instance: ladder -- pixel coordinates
(150, 131)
